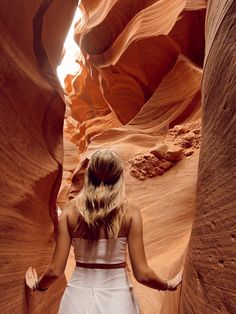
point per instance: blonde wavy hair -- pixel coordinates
(103, 195)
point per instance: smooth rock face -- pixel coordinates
(139, 94)
(32, 113)
(129, 56)
(149, 101)
(144, 76)
(141, 77)
(210, 269)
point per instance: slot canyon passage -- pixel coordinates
(157, 85)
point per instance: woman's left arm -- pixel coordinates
(58, 263)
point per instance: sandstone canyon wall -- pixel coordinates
(142, 71)
(32, 113)
(210, 272)
(150, 79)
(138, 92)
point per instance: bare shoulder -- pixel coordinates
(68, 207)
(132, 217)
(136, 223)
(74, 217)
(69, 212)
(133, 211)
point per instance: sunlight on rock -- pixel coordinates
(152, 80)
(71, 53)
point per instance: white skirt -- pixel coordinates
(98, 291)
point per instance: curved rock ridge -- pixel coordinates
(214, 19)
(161, 105)
(150, 54)
(176, 100)
(153, 85)
(96, 11)
(86, 99)
(135, 77)
(32, 113)
(136, 27)
(196, 4)
(138, 93)
(210, 269)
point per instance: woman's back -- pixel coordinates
(78, 228)
(99, 226)
(101, 251)
(100, 280)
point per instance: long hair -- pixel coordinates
(103, 195)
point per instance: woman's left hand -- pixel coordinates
(31, 277)
(174, 282)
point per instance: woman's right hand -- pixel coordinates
(174, 282)
(31, 277)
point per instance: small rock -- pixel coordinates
(134, 173)
(141, 178)
(159, 151)
(147, 156)
(196, 131)
(144, 172)
(174, 153)
(180, 129)
(158, 172)
(188, 153)
(189, 137)
(186, 144)
(166, 165)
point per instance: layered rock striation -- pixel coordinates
(150, 78)
(138, 92)
(142, 59)
(137, 73)
(32, 114)
(210, 272)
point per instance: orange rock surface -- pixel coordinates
(151, 79)
(32, 112)
(210, 271)
(138, 92)
(134, 74)
(136, 54)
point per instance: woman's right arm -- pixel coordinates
(142, 272)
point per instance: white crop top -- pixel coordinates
(102, 251)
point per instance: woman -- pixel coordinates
(99, 226)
